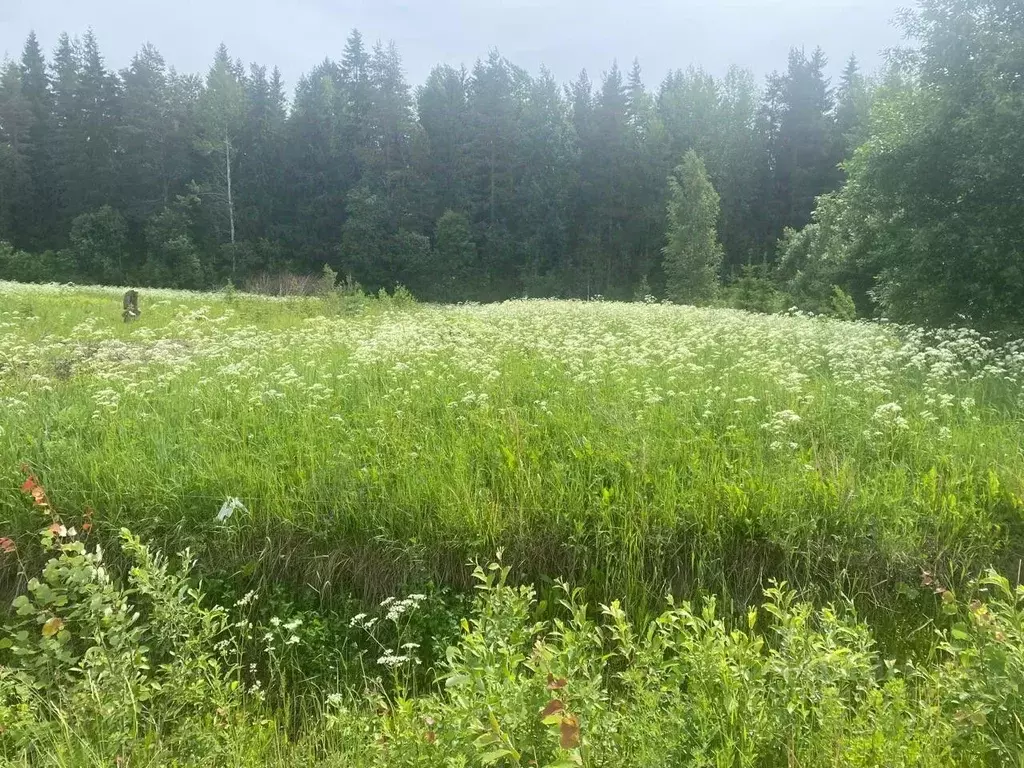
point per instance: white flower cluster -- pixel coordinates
(363, 621)
(394, 659)
(396, 608)
(890, 416)
(779, 426)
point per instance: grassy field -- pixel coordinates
(374, 446)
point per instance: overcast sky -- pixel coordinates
(566, 35)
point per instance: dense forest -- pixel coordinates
(899, 194)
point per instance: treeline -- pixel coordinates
(492, 182)
(479, 184)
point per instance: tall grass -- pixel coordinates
(634, 449)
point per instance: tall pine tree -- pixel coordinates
(37, 213)
(15, 149)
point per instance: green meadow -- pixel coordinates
(849, 496)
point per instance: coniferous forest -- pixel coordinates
(897, 193)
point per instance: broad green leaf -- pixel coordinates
(490, 758)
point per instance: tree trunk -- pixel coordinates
(231, 205)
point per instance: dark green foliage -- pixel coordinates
(16, 122)
(443, 112)
(33, 268)
(693, 254)
(803, 155)
(560, 192)
(145, 134)
(252, 257)
(172, 258)
(37, 207)
(754, 291)
(364, 246)
(930, 225)
(455, 254)
(853, 106)
(98, 246)
(412, 259)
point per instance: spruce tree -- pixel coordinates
(853, 102)
(15, 149)
(805, 162)
(354, 79)
(100, 107)
(144, 136)
(390, 119)
(548, 176)
(37, 213)
(443, 110)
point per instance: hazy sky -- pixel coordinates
(566, 35)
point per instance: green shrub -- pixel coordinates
(842, 304)
(754, 291)
(25, 267)
(97, 672)
(328, 281)
(97, 668)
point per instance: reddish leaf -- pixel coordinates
(569, 732)
(7, 545)
(29, 485)
(39, 496)
(553, 706)
(556, 685)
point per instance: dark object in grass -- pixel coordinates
(131, 306)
